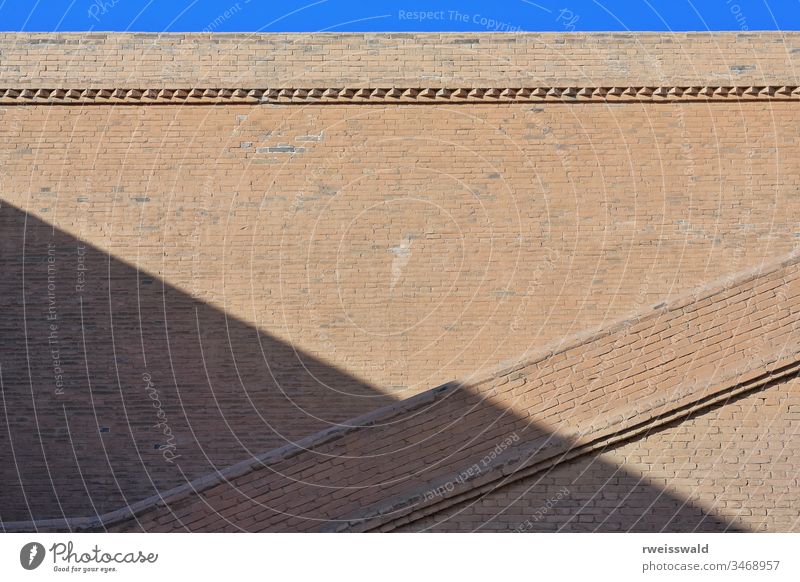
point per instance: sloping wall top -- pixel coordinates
(726, 338)
(411, 458)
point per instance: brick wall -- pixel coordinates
(408, 60)
(279, 269)
(117, 385)
(729, 469)
(405, 463)
(411, 246)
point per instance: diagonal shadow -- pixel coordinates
(421, 454)
(584, 494)
(102, 364)
(117, 386)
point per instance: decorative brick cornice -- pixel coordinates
(358, 95)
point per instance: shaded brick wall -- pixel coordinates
(117, 385)
(733, 467)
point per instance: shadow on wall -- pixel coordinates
(117, 385)
(584, 494)
(440, 449)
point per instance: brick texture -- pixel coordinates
(244, 276)
(729, 469)
(637, 372)
(411, 246)
(408, 60)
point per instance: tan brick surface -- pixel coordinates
(522, 224)
(276, 270)
(531, 411)
(408, 59)
(729, 469)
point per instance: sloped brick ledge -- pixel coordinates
(774, 362)
(545, 454)
(634, 407)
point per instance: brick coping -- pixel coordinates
(746, 379)
(543, 454)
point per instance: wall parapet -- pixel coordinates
(606, 59)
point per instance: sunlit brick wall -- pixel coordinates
(394, 247)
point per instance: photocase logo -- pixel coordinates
(31, 555)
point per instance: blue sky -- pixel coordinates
(402, 15)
